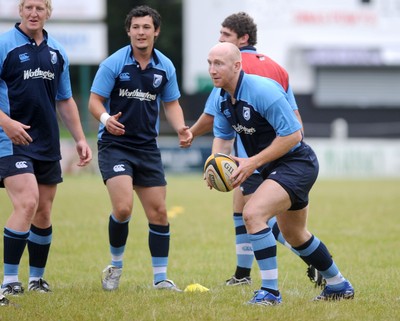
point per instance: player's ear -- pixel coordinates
(244, 40)
(238, 66)
(157, 32)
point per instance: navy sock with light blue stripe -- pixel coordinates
(315, 253)
(118, 235)
(14, 246)
(39, 242)
(159, 238)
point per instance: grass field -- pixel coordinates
(358, 220)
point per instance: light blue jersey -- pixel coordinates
(136, 93)
(261, 113)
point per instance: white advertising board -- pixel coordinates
(357, 158)
(62, 9)
(85, 43)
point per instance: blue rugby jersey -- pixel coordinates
(257, 64)
(32, 78)
(261, 113)
(137, 94)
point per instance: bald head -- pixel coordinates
(229, 51)
(224, 65)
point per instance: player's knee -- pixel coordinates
(122, 212)
(27, 206)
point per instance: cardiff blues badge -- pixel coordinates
(157, 80)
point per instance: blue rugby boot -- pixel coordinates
(262, 297)
(328, 294)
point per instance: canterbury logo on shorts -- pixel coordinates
(21, 164)
(119, 168)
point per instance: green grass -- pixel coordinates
(358, 221)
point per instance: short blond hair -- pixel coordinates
(47, 3)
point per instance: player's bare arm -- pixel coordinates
(222, 146)
(96, 108)
(203, 125)
(69, 114)
(174, 115)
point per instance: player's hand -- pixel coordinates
(84, 152)
(246, 167)
(17, 132)
(185, 137)
(114, 127)
(207, 182)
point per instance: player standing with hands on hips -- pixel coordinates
(34, 82)
(125, 97)
(255, 109)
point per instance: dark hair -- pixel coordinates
(241, 23)
(143, 11)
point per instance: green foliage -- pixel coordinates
(357, 220)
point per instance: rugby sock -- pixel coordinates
(264, 247)
(273, 224)
(39, 242)
(315, 253)
(14, 246)
(159, 237)
(118, 234)
(244, 251)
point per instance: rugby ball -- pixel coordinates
(218, 169)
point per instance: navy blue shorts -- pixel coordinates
(144, 166)
(296, 172)
(250, 185)
(46, 172)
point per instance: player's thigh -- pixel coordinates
(23, 192)
(153, 202)
(238, 200)
(268, 200)
(243, 193)
(120, 190)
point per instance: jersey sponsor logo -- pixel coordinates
(54, 58)
(243, 129)
(246, 113)
(38, 73)
(137, 94)
(125, 76)
(24, 57)
(157, 80)
(119, 168)
(21, 164)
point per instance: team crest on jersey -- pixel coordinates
(157, 80)
(53, 57)
(246, 113)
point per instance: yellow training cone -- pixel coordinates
(195, 287)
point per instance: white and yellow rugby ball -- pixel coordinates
(218, 169)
